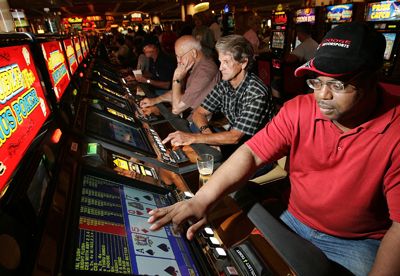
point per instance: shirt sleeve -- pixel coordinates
(274, 140)
(392, 186)
(213, 101)
(199, 88)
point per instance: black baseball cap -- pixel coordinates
(345, 50)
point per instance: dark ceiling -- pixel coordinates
(165, 9)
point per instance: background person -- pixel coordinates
(194, 77)
(307, 48)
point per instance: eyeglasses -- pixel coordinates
(335, 86)
(181, 56)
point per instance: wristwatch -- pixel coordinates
(202, 128)
(148, 81)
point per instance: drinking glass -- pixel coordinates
(205, 165)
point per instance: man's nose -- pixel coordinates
(324, 93)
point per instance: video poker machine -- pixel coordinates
(30, 144)
(59, 217)
(385, 18)
(281, 24)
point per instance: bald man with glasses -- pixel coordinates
(194, 77)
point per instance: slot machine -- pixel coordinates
(30, 142)
(281, 24)
(384, 17)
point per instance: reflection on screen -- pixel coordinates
(38, 187)
(278, 40)
(117, 131)
(114, 234)
(390, 39)
(297, 42)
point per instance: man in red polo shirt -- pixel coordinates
(344, 148)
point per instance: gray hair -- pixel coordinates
(238, 46)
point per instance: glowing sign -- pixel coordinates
(279, 17)
(339, 13)
(305, 15)
(383, 11)
(57, 67)
(78, 49)
(23, 108)
(69, 48)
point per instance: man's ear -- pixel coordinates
(244, 63)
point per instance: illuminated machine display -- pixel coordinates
(56, 66)
(111, 232)
(385, 17)
(23, 107)
(78, 49)
(71, 56)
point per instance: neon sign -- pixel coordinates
(383, 11)
(23, 108)
(56, 66)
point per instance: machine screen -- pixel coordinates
(390, 39)
(78, 49)
(114, 237)
(69, 48)
(278, 40)
(116, 131)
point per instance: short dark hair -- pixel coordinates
(150, 40)
(304, 27)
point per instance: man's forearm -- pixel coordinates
(166, 97)
(388, 256)
(219, 138)
(160, 84)
(177, 105)
(199, 119)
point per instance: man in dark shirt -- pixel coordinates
(241, 96)
(162, 66)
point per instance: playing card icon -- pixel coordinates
(163, 247)
(136, 205)
(147, 197)
(139, 213)
(171, 271)
(144, 230)
(150, 252)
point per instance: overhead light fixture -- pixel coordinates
(203, 6)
